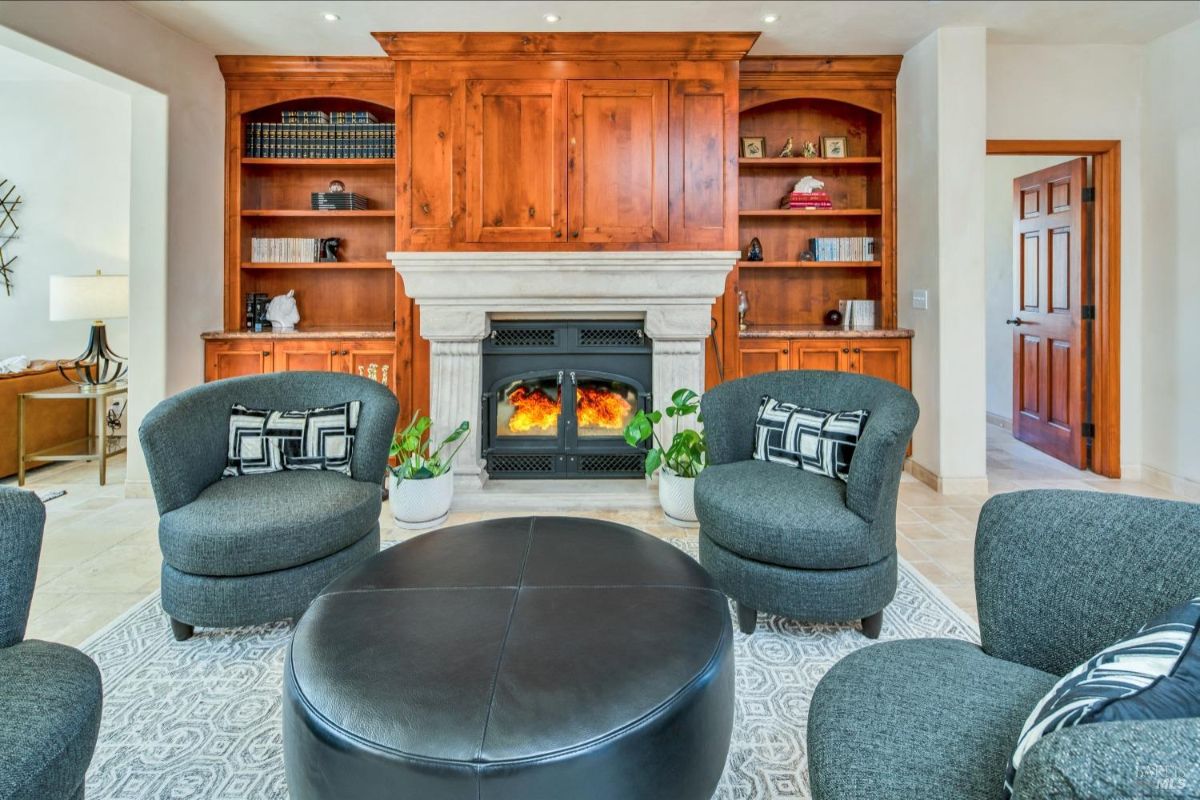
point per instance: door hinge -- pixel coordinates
(1088, 430)
(1088, 311)
(1089, 194)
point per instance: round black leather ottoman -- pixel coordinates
(544, 658)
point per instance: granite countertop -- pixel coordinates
(318, 333)
(821, 332)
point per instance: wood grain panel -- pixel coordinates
(825, 354)
(702, 153)
(1059, 268)
(1031, 203)
(762, 355)
(1030, 271)
(887, 359)
(1060, 195)
(617, 161)
(316, 355)
(432, 196)
(1058, 383)
(1029, 373)
(234, 358)
(514, 151)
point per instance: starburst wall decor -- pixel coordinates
(8, 231)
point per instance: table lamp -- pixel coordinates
(95, 297)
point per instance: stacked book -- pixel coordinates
(285, 251)
(843, 248)
(338, 201)
(809, 200)
(328, 117)
(321, 139)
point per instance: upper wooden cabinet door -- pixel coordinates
(617, 153)
(515, 161)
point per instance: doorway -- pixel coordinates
(1053, 311)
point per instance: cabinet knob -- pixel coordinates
(345, 352)
(845, 349)
(333, 352)
(574, 234)
(857, 350)
(266, 352)
(558, 234)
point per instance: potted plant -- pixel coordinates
(422, 484)
(681, 462)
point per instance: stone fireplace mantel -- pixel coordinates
(459, 293)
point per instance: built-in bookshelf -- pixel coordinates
(270, 197)
(806, 99)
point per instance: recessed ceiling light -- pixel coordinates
(770, 19)
(551, 18)
(330, 16)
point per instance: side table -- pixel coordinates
(98, 445)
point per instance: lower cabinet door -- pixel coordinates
(375, 360)
(825, 354)
(756, 356)
(888, 359)
(315, 355)
(233, 358)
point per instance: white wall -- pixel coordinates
(68, 152)
(940, 141)
(1087, 92)
(1169, 352)
(183, 81)
(998, 211)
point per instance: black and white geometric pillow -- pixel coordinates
(816, 441)
(262, 440)
(1152, 675)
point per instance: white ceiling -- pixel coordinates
(828, 26)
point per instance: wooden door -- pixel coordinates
(232, 358)
(1050, 238)
(515, 161)
(617, 160)
(756, 356)
(371, 359)
(826, 354)
(314, 355)
(887, 359)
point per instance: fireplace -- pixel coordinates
(558, 395)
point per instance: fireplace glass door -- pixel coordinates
(530, 407)
(603, 407)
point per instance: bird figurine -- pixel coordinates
(786, 152)
(810, 150)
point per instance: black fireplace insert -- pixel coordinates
(558, 395)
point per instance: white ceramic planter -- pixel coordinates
(677, 496)
(421, 503)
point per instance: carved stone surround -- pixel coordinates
(460, 293)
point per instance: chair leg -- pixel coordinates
(181, 630)
(872, 625)
(747, 618)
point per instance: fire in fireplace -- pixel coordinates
(558, 395)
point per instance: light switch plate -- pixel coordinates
(921, 298)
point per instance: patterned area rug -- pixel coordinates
(201, 719)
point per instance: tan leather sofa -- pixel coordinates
(47, 422)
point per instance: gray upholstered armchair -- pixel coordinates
(257, 548)
(1059, 576)
(50, 694)
(789, 542)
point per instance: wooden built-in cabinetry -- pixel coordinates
(583, 141)
(887, 356)
(233, 355)
(805, 98)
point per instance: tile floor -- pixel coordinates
(100, 552)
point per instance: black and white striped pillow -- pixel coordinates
(1152, 675)
(816, 441)
(262, 440)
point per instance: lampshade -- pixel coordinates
(96, 297)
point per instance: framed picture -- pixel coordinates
(833, 147)
(754, 146)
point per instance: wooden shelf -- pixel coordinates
(321, 162)
(337, 265)
(809, 264)
(811, 212)
(290, 212)
(803, 162)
